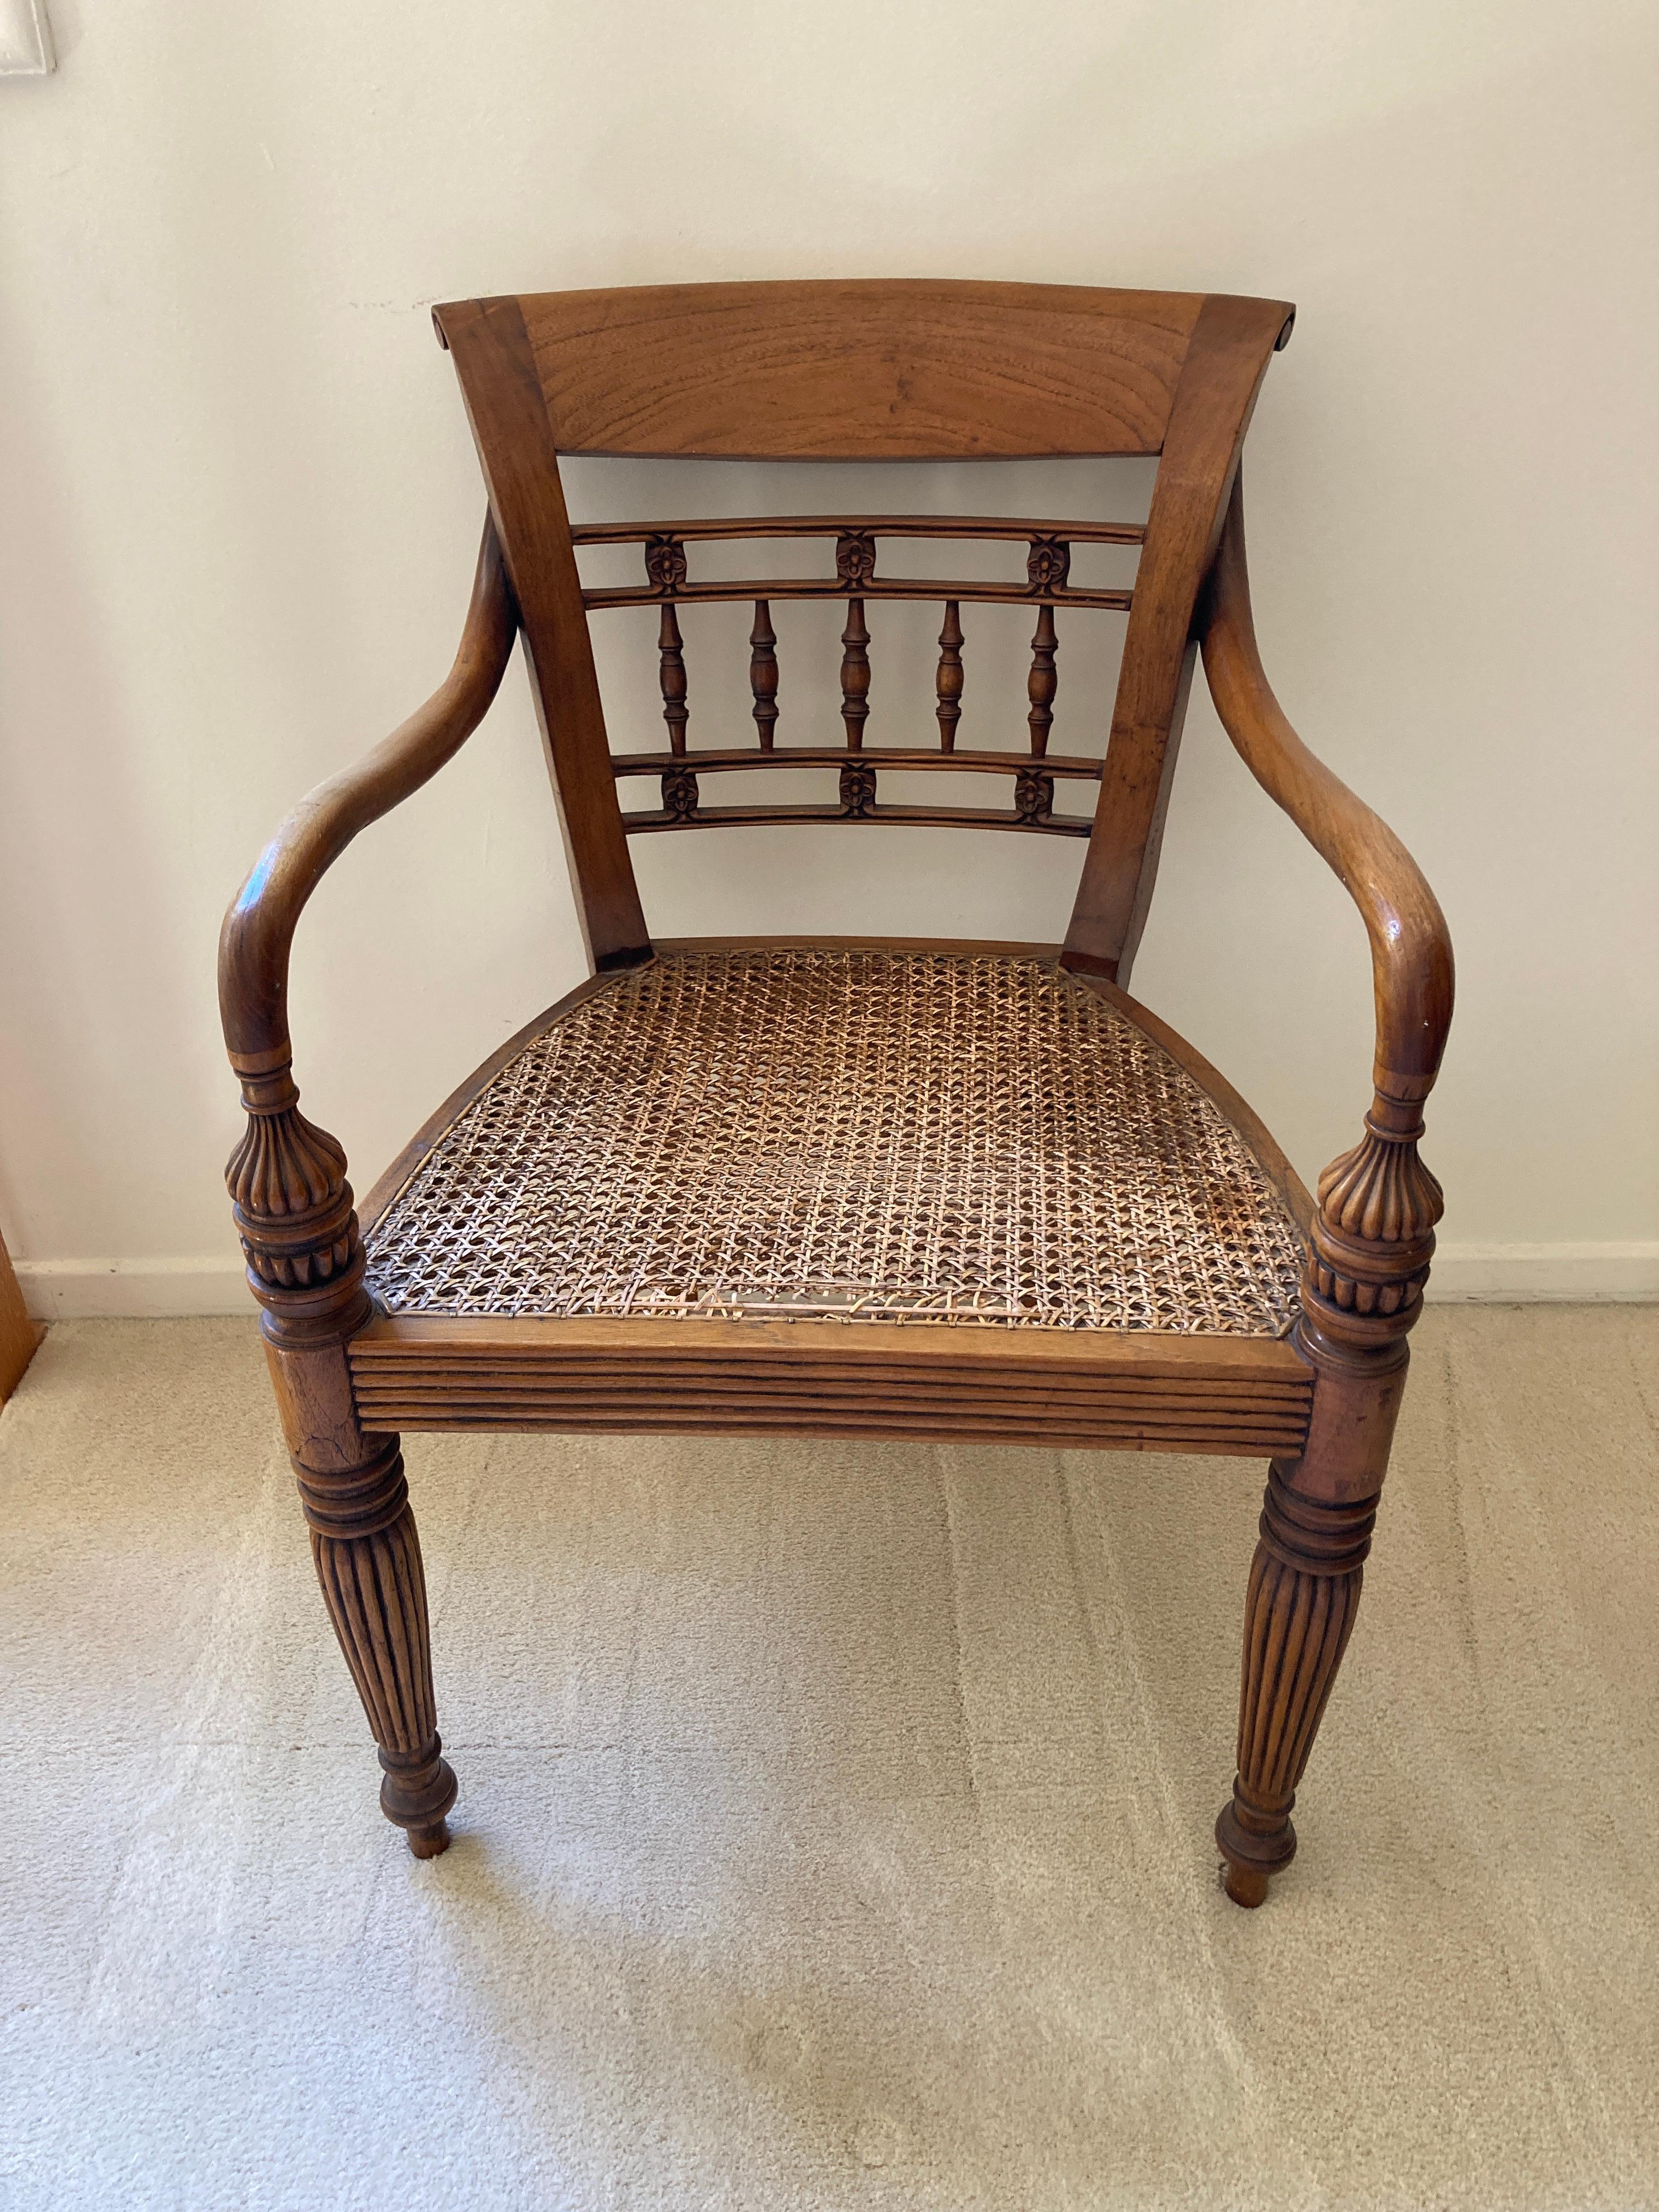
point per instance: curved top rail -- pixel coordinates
(887, 368)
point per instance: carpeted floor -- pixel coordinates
(834, 1826)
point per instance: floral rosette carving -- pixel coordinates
(665, 563)
(855, 558)
(857, 791)
(679, 794)
(1034, 796)
(1047, 564)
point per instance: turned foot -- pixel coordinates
(416, 1790)
(1246, 1886)
(1255, 1843)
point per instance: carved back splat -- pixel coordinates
(865, 371)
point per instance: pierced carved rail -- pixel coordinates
(1074, 766)
(1011, 530)
(942, 817)
(825, 587)
(668, 585)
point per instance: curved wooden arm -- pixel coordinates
(1373, 1234)
(259, 930)
(1411, 948)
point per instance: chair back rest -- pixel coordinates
(893, 370)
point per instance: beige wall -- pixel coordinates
(240, 507)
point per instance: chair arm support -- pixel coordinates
(1373, 1234)
(1411, 948)
(257, 934)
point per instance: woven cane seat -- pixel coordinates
(870, 1135)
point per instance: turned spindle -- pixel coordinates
(670, 648)
(679, 786)
(764, 673)
(948, 683)
(1042, 684)
(855, 675)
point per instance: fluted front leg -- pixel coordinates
(1298, 1611)
(299, 1232)
(1362, 1288)
(367, 1557)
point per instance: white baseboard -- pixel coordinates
(1544, 1274)
(90, 1289)
(1487, 1274)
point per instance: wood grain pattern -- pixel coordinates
(1174, 1394)
(896, 369)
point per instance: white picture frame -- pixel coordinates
(25, 39)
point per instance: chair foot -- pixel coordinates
(1254, 1850)
(416, 1791)
(1246, 1886)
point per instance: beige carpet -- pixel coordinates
(834, 1819)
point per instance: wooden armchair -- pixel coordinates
(854, 1186)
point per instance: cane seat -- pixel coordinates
(776, 1133)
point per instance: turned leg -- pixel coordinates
(1368, 1259)
(1298, 1613)
(367, 1557)
(294, 1212)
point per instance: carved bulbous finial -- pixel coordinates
(1381, 1190)
(1373, 1236)
(292, 1202)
